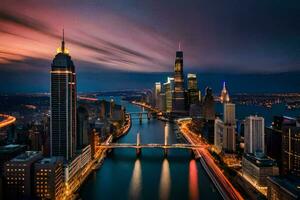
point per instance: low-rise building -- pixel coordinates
(18, 174)
(49, 178)
(74, 168)
(258, 168)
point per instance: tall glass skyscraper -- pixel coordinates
(63, 105)
(178, 98)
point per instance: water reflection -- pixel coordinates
(166, 131)
(136, 181)
(193, 180)
(165, 181)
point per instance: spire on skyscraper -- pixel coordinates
(63, 42)
(179, 46)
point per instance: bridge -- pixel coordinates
(138, 146)
(141, 115)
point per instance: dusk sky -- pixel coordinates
(250, 36)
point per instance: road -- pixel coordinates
(8, 120)
(224, 186)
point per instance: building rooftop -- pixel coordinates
(288, 183)
(10, 148)
(26, 156)
(50, 160)
(260, 160)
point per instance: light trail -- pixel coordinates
(8, 120)
(223, 184)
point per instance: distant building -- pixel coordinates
(291, 150)
(49, 178)
(254, 134)
(162, 99)
(169, 91)
(157, 91)
(82, 126)
(63, 105)
(208, 105)
(286, 188)
(224, 97)
(258, 168)
(178, 98)
(193, 91)
(18, 173)
(229, 114)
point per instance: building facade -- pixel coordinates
(254, 134)
(63, 105)
(291, 151)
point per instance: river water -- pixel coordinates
(124, 176)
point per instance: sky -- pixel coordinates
(222, 36)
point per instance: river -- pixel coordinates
(124, 176)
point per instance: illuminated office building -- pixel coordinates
(63, 105)
(169, 91)
(157, 91)
(193, 91)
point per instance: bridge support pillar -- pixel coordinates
(192, 154)
(148, 116)
(165, 152)
(141, 117)
(138, 152)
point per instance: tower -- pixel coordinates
(63, 105)
(224, 98)
(254, 134)
(178, 99)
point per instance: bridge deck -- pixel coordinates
(161, 146)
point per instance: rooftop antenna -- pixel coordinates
(63, 42)
(179, 46)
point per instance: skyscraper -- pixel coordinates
(169, 90)
(157, 91)
(63, 105)
(82, 126)
(179, 100)
(229, 114)
(193, 91)
(254, 134)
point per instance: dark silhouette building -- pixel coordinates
(82, 127)
(208, 105)
(63, 105)
(178, 98)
